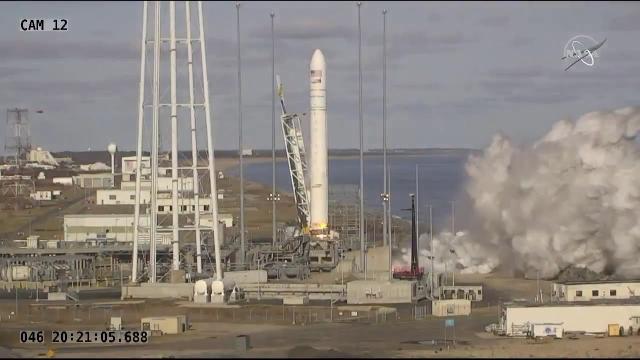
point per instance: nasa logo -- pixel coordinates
(581, 48)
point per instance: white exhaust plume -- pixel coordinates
(573, 198)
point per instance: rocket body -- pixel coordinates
(319, 154)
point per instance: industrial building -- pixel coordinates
(517, 319)
(470, 292)
(164, 184)
(94, 181)
(127, 197)
(116, 228)
(67, 181)
(41, 156)
(384, 292)
(450, 307)
(595, 290)
(129, 166)
(107, 227)
(165, 324)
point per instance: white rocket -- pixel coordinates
(318, 124)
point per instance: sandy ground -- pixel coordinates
(209, 337)
(399, 339)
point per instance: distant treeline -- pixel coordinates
(87, 157)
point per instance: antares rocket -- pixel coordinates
(319, 154)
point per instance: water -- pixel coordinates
(441, 180)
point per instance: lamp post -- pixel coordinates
(273, 130)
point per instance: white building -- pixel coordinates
(164, 184)
(587, 317)
(595, 290)
(68, 181)
(383, 292)
(41, 195)
(42, 157)
(98, 166)
(115, 227)
(129, 166)
(165, 204)
(94, 181)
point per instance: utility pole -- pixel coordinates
(240, 144)
(273, 131)
(385, 200)
(417, 208)
(433, 255)
(362, 240)
(453, 219)
(451, 251)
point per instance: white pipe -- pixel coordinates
(154, 145)
(174, 137)
(136, 214)
(194, 144)
(240, 145)
(362, 240)
(212, 176)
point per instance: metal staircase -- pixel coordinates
(296, 158)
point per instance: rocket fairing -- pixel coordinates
(318, 128)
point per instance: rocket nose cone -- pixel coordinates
(317, 60)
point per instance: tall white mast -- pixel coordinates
(212, 176)
(136, 216)
(174, 137)
(194, 141)
(154, 146)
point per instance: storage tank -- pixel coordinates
(221, 287)
(20, 272)
(202, 287)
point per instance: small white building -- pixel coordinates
(451, 307)
(94, 181)
(517, 319)
(67, 181)
(41, 195)
(129, 164)
(595, 290)
(247, 152)
(165, 324)
(98, 166)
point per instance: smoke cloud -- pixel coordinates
(573, 198)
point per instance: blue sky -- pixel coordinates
(458, 72)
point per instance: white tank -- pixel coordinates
(202, 287)
(20, 272)
(219, 287)
(318, 130)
